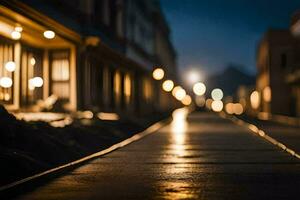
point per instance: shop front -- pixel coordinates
(37, 62)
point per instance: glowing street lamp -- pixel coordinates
(180, 94)
(49, 34)
(217, 105)
(199, 89)
(187, 100)
(10, 66)
(217, 94)
(158, 74)
(6, 82)
(168, 85)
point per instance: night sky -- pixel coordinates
(210, 34)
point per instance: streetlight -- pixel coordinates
(217, 94)
(168, 85)
(199, 88)
(158, 74)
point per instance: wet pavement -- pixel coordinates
(199, 157)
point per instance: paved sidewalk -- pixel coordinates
(203, 157)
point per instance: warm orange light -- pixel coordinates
(16, 35)
(158, 74)
(238, 109)
(255, 100)
(208, 103)
(32, 61)
(175, 89)
(49, 34)
(18, 29)
(108, 116)
(217, 106)
(217, 94)
(10, 66)
(187, 100)
(168, 85)
(6, 82)
(267, 94)
(229, 108)
(180, 94)
(35, 82)
(199, 89)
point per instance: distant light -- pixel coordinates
(255, 100)
(6, 82)
(217, 106)
(238, 109)
(158, 74)
(193, 77)
(18, 29)
(200, 101)
(187, 100)
(267, 94)
(35, 82)
(217, 94)
(208, 103)
(32, 61)
(10, 66)
(180, 94)
(108, 116)
(175, 89)
(168, 85)
(199, 89)
(16, 35)
(49, 34)
(229, 108)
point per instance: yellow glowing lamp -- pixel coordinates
(187, 100)
(158, 74)
(217, 105)
(199, 89)
(10, 66)
(15, 35)
(6, 82)
(168, 85)
(255, 100)
(49, 34)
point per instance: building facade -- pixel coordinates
(83, 54)
(278, 61)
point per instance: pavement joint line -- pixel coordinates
(138, 136)
(261, 133)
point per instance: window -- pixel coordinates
(6, 72)
(60, 74)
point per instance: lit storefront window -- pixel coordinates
(60, 74)
(117, 87)
(127, 88)
(7, 67)
(147, 89)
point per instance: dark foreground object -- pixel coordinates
(31, 148)
(205, 157)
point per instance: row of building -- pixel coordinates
(277, 90)
(85, 54)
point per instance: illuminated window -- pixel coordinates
(147, 89)
(117, 87)
(60, 74)
(6, 72)
(127, 88)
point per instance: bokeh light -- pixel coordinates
(180, 94)
(49, 34)
(168, 85)
(158, 74)
(217, 105)
(6, 82)
(238, 109)
(255, 100)
(229, 108)
(16, 35)
(200, 101)
(267, 95)
(217, 94)
(187, 100)
(199, 89)
(208, 103)
(10, 66)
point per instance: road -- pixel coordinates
(198, 156)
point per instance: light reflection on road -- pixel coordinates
(177, 184)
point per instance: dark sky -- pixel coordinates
(210, 34)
